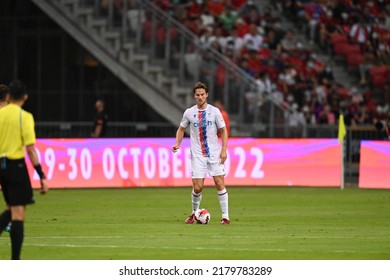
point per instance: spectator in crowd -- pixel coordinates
(288, 43)
(252, 16)
(326, 116)
(244, 66)
(257, 42)
(219, 39)
(249, 6)
(360, 33)
(237, 4)
(216, 7)
(263, 83)
(253, 37)
(326, 73)
(207, 20)
(205, 37)
(225, 116)
(297, 11)
(195, 8)
(228, 19)
(100, 123)
(235, 43)
(287, 77)
(313, 13)
(296, 121)
(271, 40)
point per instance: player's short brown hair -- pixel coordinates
(200, 85)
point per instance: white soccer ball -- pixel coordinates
(202, 216)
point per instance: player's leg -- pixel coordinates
(17, 230)
(20, 195)
(223, 198)
(197, 187)
(217, 171)
(196, 198)
(5, 218)
(199, 171)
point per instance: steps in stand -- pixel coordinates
(135, 69)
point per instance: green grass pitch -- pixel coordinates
(148, 223)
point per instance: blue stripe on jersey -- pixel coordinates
(203, 133)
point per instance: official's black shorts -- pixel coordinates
(15, 182)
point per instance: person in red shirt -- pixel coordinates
(216, 7)
(225, 116)
(195, 8)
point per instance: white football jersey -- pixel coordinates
(204, 125)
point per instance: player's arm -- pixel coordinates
(224, 139)
(179, 137)
(32, 154)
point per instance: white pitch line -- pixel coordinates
(148, 247)
(75, 237)
(230, 236)
(200, 248)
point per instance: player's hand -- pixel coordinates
(223, 156)
(174, 148)
(44, 186)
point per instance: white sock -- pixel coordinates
(223, 198)
(196, 199)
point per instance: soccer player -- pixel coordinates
(207, 155)
(16, 132)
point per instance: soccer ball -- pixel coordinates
(202, 216)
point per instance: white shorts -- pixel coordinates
(201, 165)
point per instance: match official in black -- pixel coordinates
(16, 132)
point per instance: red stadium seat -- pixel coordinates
(343, 92)
(338, 48)
(354, 59)
(379, 75)
(336, 38)
(351, 48)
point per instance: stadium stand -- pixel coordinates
(346, 33)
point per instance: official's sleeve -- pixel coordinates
(28, 129)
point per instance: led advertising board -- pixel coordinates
(144, 162)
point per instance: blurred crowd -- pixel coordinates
(254, 38)
(357, 33)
